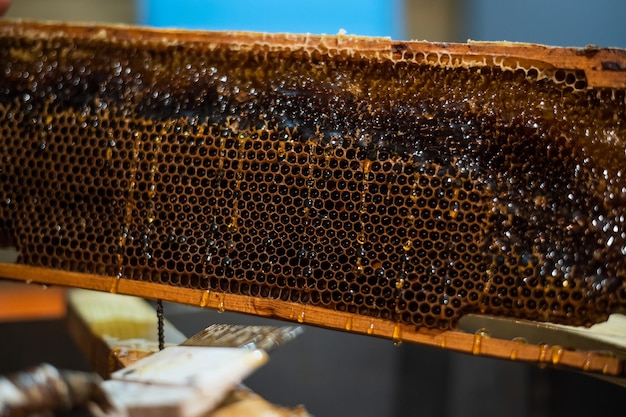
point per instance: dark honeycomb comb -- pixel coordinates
(358, 178)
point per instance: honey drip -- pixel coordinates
(484, 297)
(148, 226)
(402, 276)
(241, 145)
(516, 341)
(443, 342)
(281, 153)
(544, 354)
(348, 325)
(204, 301)
(115, 283)
(478, 340)
(130, 204)
(557, 354)
(220, 306)
(361, 235)
(310, 181)
(397, 335)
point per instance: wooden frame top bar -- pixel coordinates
(603, 67)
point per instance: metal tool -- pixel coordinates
(601, 339)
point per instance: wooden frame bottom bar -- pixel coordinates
(481, 344)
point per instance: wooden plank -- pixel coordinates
(601, 363)
(20, 302)
(115, 331)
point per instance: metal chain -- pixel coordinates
(160, 324)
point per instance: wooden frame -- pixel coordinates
(603, 68)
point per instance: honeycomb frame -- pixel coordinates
(393, 182)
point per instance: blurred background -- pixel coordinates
(330, 372)
(554, 22)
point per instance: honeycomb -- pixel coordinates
(404, 186)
